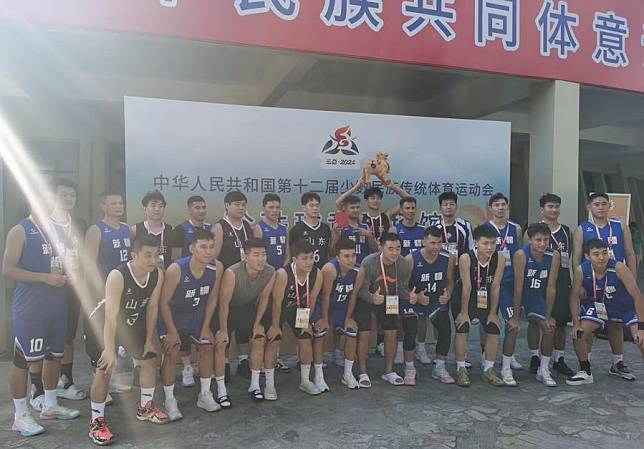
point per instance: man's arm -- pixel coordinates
(519, 264)
(493, 316)
(176, 243)
(225, 296)
(577, 247)
(451, 277)
(152, 314)
(91, 249)
(340, 201)
(218, 231)
(357, 287)
(329, 274)
(629, 252)
(257, 231)
(394, 210)
(15, 244)
(362, 285)
(279, 287)
(172, 277)
(113, 291)
(466, 292)
(404, 275)
(626, 276)
(315, 291)
(213, 300)
(264, 299)
(551, 291)
(575, 295)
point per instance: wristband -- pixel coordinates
(640, 325)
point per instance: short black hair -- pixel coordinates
(388, 237)
(538, 228)
(253, 242)
(596, 195)
(301, 247)
(549, 198)
(346, 244)
(155, 195)
(64, 182)
(352, 199)
(447, 196)
(433, 231)
(496, 197)
(195, 199)
(592, 244)
(484, 231)
(407, 199)
(234, 196)
(372, 191)
(143, 240)
(309, 196)
(201, 234)
(104, 195)
(270, 197)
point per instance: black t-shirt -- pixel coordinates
(319, 237)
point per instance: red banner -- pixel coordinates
(598, 42)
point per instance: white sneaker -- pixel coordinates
(350, 381)
(410, 377)
(73, 393)
(400, 357)
(507, 378)
(322, 386)
(543, 376)
(514, 364)
(172, 409)
(188, 376)
(26, 425)
(36, 403)
(421, 355)
(581, 378)
(109, 400)
(380, 350)
(339, 357)
(58, 412)
(328, 357)
(207, 402)
(309, 387)
(270, 393)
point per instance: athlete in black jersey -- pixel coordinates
(126, 317)
(154, 210)
(295, 292)
(312, 229)
(232, 231)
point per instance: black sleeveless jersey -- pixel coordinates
(163, 239)
(234, 238)
(319, 237)
(135, 296)
(486, 274)
(290, 293)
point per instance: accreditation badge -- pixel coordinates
(302, 317)
(602, 314)
(391, 304)
(508, 259)
(56, 265)
(481, 298)
(565, 259)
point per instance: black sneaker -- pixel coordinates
(227, 373)
(561, 367)
(243, 369)
(535, 361)
(621, 370)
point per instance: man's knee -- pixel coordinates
(19, 360)
(492, 329)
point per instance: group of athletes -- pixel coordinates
(166, 292)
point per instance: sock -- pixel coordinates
(50, 399)
(534, 353)
(147, 395)
(221, 386)
(66, 370)
(168, 390)
(420, 345)
(440, 363)
(482, 348)
(305, 371)
(254, 380)
(585, 366)
(590, 356)
(348, 367)
(98, 410)
(545, 362)
(20, 405)
(319, 374)
(507, 362)
(487, 365)
(557, 354)
(380, 338)
(270, 377)
(618, 358)
(36, 380)
(409, 366)
(399, 348)
(460, 364)
(243, 357)
(205, 384)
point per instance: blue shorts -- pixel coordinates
(620, 312)
(37, 334)
(535, 308)
(187, 324)
(337, 317)
(506, 300)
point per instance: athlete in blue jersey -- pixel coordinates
(536, 270)
(432, 283)
(339, 277)
(187, 305)
(355, 231)
(617, 237)
(609, 296)
(184, 231)
(409, 231)
(39, 318)
(272, 231)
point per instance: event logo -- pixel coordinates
(341, 150)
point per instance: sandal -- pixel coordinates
(393, 378)
(224, 401)
(257, 395)
(364, 381)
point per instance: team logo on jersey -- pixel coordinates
(341, 151)
(186, 279)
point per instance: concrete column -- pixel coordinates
(554, 147)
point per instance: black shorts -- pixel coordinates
(185, 342)
(240, 321)
(73, 314)
(479, 316)
(362, 316)
(132, 338)
(561, 309)
(288, 316)
(455, 300)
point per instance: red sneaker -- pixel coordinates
(99, 433)
(150, 413)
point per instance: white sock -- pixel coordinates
(348, 367)
(409, 366)
(545, 362)
(20, 405)
(534, 352)
(254, 380)
(319, 374)
(557, 354)
(487, 365)
(205, 384)
(507, 362)
(270, 377)
(50, 399)
(616, 358)
(400, 347)
(460, 364)
(440, 363)
(420, 345)
(168, 390)
(98, 409)
(589, 355)
(147, 394)
(305, 372)
(221, 386)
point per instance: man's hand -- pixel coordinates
(107, 361)
(494, 319)
(273, 333)
(550, 323)
(513, 323)
(322, 324)
(364, 232)
(149, 348)
(442, 299)
(206, 335)
(171, 340)
(461, 319)
(576, 330)
(638, 338)
(221, 337)
(378, 298)
(258, 330)
(350, 324)
(55, 280)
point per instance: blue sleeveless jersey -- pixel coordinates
(411, 239)
(342, 287)
(362, 248)
(507, 245)
(610, 288)
(188, 231)
(430, 276)
(611, 234)
(114, 249)
(36, 297)
(276, 243)
(536, 274)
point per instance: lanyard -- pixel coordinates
(455, 229)
(478, 271)
(372, 220)
(560, 247)
(243, 228)
(507, 230)
(297, 289)
(384, 275)
(595, 285)
(610, 232)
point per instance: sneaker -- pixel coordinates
(322, 386)
(328, 357)
(561, 367)
(36, 403)
(535, 362)
(270, 393)
(581, 378)
(99, 433)
(508, 378)
(515, 365)
(58, 412)
(73, 393)
(26, 425)
(619, 369)
(172, 409)
(380, 350)
(543, 376)
(491, 377)
(421, 355)
(468, 365)
(350, 381)
(310, 388)
(338, 358)
(462, 377)
(207, 402)
(410, 377)
(282, 366)
(400, 357)
(150, 413)
(109, 400)
(443, 375)
(243, 369)
(188, 376)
